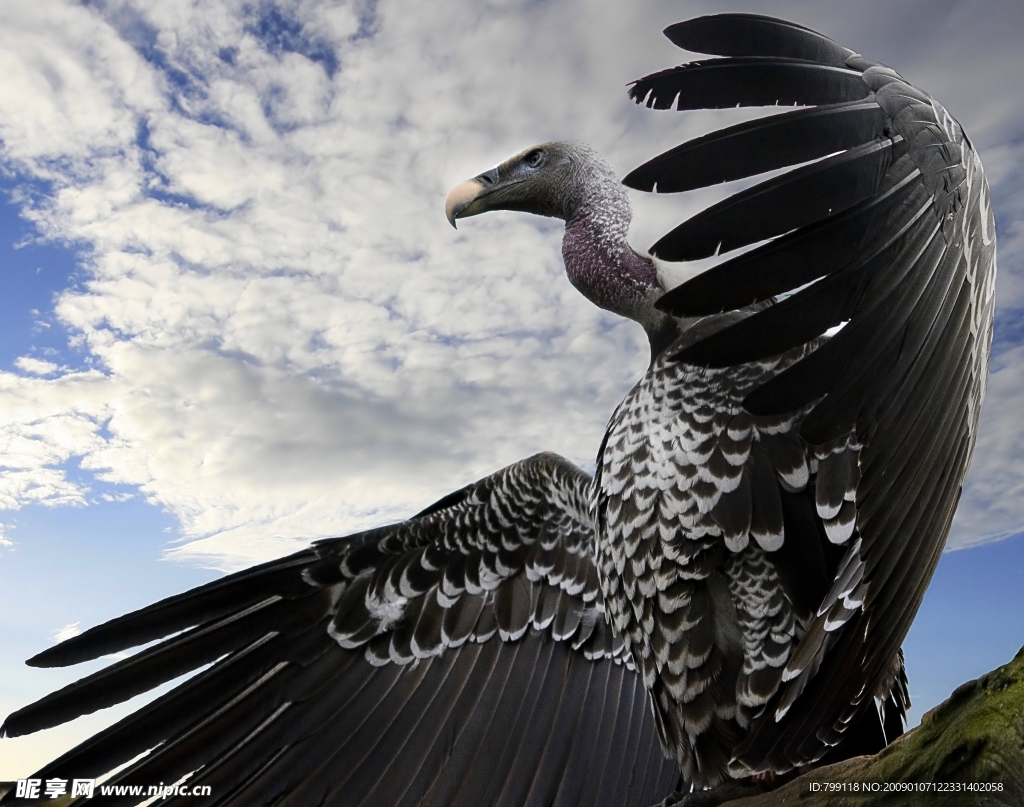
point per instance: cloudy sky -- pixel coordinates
(233, 317)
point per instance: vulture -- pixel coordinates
(723, 603)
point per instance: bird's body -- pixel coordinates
(733, 585)
(702, 611)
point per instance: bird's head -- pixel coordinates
(551, 179)
(572, 182)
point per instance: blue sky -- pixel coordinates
(233, 318)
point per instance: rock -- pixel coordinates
(967, 752)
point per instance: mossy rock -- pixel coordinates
(975, 738)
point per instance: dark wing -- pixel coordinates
(458, 658)
(888, 233)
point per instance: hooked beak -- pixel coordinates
(465, 199)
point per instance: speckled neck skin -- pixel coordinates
(598, 259)
(606, 270)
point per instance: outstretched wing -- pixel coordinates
(887, 234)
(458, 658)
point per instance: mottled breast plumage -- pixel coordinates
(686, 524)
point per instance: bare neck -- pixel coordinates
(602, 265)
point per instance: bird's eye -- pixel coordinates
(535, 158)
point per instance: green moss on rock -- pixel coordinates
(976, 737)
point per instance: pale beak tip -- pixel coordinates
(460, 198)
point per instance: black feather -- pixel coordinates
(460, 619)
(173, 712)
(797, 258)
(809, 313)
(876, 352)
(203, 604)
(760, 145)
(754, 35)
(177, 656)
(796, 199)
(806, 563)
(567, 616)
(758, 81)
(445, 502)
(834, 477)
(426, 637)
(905, 420)
(766, 520)
(513, 606)
(733, 511)
(869, 352)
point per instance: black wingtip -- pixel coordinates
(734, 34)
(445, 502)
(61, 655)
(639, 180)
(181, 611)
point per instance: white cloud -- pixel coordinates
(290, 340)
(990, 507)
(43, 424)
(67, 632)
(36, 366)
(287, 339)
